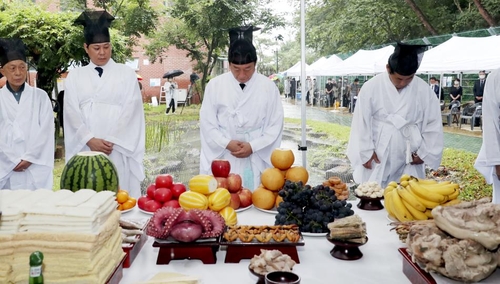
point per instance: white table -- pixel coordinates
(381, 261)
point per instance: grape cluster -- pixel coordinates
(311, 208)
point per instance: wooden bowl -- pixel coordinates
(284, 277)
(260, 277)
(345, 250)
(368, 203)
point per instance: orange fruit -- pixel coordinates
(272, 179)
(296, 174)
(282, 158)
(121, 196)
(279, 199)
(120, 207)
(129, 204)
(263, 198)
(132, 200)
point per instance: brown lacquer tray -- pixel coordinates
(117, 274)
(204, 250)
(238, 250)
(368, 203)
(415, 274)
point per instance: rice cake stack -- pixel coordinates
(348, 229)
(78, 233)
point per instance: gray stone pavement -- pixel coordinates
(462, 139)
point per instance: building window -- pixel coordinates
(133, 63)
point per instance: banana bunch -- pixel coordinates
(414, 199)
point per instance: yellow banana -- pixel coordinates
(393, 184)
(423, 192)
(443, 189)
(402, 214)
(445, 182)
(417, 214)
(454, 195)
(428, 213)
(410, 199)
(427, 181)
(388, 189)
(404, 177)
(427, 203)
(404, 183)
(388, 206)
(452, 202)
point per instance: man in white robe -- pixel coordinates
(103, 107)
(26, 125)
(488, 160)
(241, 118)
(397, 125)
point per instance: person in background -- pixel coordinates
(287, 87)
(329, 91)
(488, 159)
(293, 88)
(26, 122)
(169, 87)
(103, 108)
(397, 128)
(456, 93)
(434, 85)
(478, 88)
(354, 92)
(241, 117)
(309, 90)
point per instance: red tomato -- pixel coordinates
(177, 189)
(141, 202)
(152, 206)
(151, 191)
(163, 194)
(164, 180)
(172, 203)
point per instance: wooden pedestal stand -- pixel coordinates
(237, 252)
(204, 251)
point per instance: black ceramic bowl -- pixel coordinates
(282, 277)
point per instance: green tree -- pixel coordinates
(200, 28)
(54, 43)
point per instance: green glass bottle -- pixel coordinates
(36, 260)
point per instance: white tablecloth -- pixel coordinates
(381, 261)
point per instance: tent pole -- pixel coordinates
(303, 145)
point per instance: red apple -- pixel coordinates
(151, 191)
(163, 194)
(233, 182)
(141, 202)
(221, 168)
(222, 182)
(172, 203)
(164, 180)
(152, 206)
(177, 189)
(235, 201)
(245, 197)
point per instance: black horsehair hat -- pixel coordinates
(11, 49)
(95, 26)
(406, 58)
(241, 48)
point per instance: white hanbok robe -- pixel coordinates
(489, 155)
(253, 115)
(26, 133)
(395, 124)
(108, 107)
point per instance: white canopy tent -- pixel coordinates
(322, 68)
(462, 54)
(363, 62)
(318, 63)
(295, 70)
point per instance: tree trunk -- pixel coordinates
(421, 17)
(484, 13)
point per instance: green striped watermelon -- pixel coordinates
(91, 170)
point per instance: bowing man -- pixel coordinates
(26, 124)
(241, 118)
(103, 106)
(397, 127)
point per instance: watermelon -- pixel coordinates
(90, 170)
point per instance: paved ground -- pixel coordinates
(463, 138)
